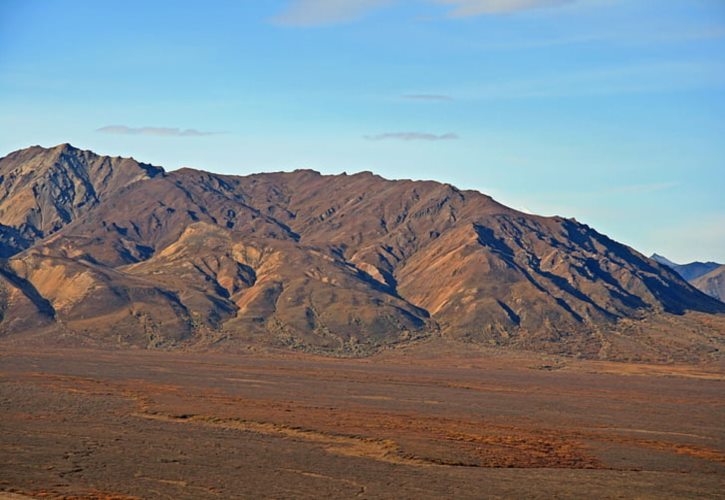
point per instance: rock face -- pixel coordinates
(111, 251)
(712, 283)
(42, 190)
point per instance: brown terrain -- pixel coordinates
(433, 420)
(294, 335)
(104, 252)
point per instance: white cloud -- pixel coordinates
(158, 131)
(326, 12)
(468, 8)
(412, 136)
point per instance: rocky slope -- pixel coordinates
(42, 190)
(712, 283)
(111, 251)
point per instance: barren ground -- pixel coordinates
(430, 421)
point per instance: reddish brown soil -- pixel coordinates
(428, 422)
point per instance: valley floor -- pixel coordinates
(437, 420)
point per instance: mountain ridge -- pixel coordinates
(42, 190)
(689, 271)
(702, 275)
(337, 264)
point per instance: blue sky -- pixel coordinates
(610, 111)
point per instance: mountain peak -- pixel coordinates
(44, 189)
(65, 146)
(307, 171)
(663, 260)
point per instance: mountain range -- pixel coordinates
(690, 271)
(708, 277)
(109, 251)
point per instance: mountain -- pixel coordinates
(705, 276)
(663, 260)
(690, 271)
(109, 251)
(42, 190)
(712, 283)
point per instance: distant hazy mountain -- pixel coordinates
(690, 271)
(663, 260)
(705, 276)
(110, 251)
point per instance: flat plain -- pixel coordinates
(434, 420)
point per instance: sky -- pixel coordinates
(608, 111)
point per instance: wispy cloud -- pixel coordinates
(412, 136)
(308, 13)
(620, 37)
(427, 97)
(325, 12)
(158, 131)
(663, 76)
(469, 8)
(643, 188)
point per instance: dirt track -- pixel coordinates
(426, 423)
